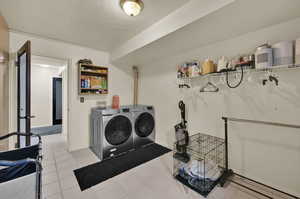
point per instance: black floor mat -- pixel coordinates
(96, 173)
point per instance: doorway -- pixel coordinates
(57, 101)
(48, 85)
(31, 94)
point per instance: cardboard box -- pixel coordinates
(95, 82)
(297, 52)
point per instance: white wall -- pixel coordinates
(65, 115)
(41, 94)
(4, 42)
(268, 154)
(120, 82)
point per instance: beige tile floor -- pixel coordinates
(152, 180)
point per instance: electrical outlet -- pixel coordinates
(81, 99)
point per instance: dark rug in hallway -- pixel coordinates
(96, 173)
(47, 130)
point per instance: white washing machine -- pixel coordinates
(111, 132)
(144, 125)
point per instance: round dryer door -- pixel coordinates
(144, 125)
(118, 130)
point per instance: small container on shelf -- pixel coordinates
(208, 67)
(283, 53)
(206, 164)
(188, 69)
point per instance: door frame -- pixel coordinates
(54, 120)
(26, 48)
(67, 76)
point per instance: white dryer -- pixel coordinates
(144, 125)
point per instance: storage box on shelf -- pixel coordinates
(93, 80)
(206, 166)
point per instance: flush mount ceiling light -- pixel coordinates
(132, 7)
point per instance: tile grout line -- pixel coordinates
(56, 168)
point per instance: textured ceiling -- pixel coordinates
(239, 18)
(99, 24)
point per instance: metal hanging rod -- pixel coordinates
(230, 172)
(251, 189)
(261, 122)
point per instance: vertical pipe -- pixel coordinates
(226, 143)
(135, 84)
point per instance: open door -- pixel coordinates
(57, 101)
(24, 114)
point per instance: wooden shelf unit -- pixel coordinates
(93, 80)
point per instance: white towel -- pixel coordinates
(198, 169)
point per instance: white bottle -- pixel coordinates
(222, 63)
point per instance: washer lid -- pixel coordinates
(118, 130)
(144, 124)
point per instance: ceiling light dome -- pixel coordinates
(132, 7)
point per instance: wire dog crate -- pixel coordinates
(206, 166)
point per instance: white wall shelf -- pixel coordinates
(189, 82)
(246, 71)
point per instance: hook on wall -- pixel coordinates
(184, 86)
(271, 78)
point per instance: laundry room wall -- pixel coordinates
(266, 153)
(120, 83)
(4, 42)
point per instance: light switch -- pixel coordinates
(81, 99)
